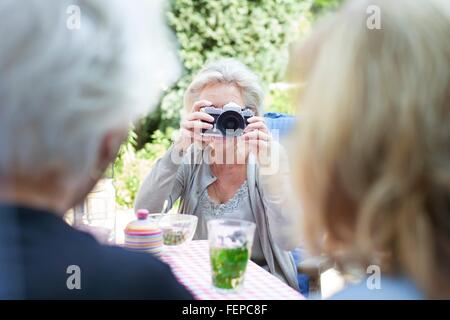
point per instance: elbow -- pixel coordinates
(143, 196)
(139, 202)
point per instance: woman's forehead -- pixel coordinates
(220, 94)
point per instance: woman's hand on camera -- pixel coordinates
(258, 139)
(192, 125)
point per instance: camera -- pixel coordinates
(231, 120)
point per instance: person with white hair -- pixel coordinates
(75, 74)
(227, 176)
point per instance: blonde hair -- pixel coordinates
(373, 155)
(228, 71)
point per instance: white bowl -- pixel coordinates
(178, 229)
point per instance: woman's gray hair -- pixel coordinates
(229, 71)
(72, 71)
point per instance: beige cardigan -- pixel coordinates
(188, 180)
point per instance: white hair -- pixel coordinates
(229, 71)
(63, 88)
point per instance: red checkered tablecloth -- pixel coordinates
(191, 266)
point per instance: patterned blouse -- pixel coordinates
(235, 208)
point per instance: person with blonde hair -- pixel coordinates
(373, 151)
(226, 176)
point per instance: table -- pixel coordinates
(191, 267)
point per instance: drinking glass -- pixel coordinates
(230, 244)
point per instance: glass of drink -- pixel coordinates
(230, 243)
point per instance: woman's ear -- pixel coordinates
(109, 148)
(107, 152)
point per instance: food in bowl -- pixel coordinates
(177, 228)
(174, 237)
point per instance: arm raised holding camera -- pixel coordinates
(192, 125)
(166, 180)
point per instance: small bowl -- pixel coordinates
(155, 217)
(178, 229)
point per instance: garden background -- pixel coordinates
(257, 32)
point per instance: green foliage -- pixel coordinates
(322, 6)
(253, 31)
(132, 166)
(281, 100)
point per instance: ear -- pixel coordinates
(109, 147)
(107, 152)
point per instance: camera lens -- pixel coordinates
(231, 123)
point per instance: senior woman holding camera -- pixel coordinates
(67, 98)
(219, 176)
